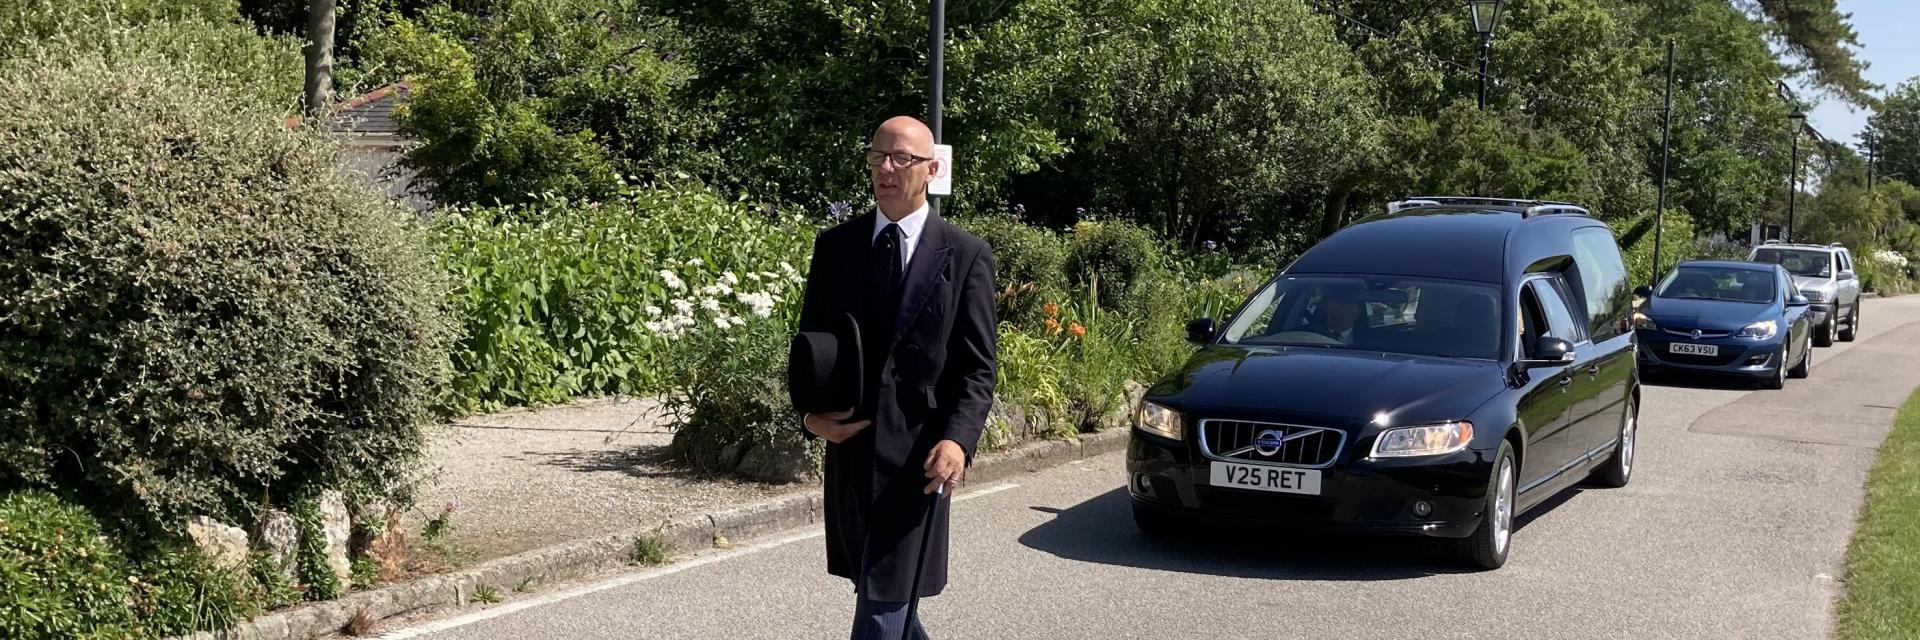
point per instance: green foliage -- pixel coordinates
(206, 34)
(563, 298)
(1636, 239)
(1110, 258)
(729, 396)
(310, 555)
(1895, 130)
(66, 576)
(276, 590)
(1819, 34)
(486, 594)
(1029, 266)
(434, 533)
(649, 550)
(63, 578)
(516, 99)
(1883, 559)
(197, 308)
(366, 573)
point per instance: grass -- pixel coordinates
(1883, 562)
(649, 551)
(486, 594)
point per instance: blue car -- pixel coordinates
(1721, 317)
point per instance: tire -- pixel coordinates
(1158, 524)
(1853, 324)
(1619, 467)
(1806, 363)
(1778, 380)
(1487, 547)
(1824, 334)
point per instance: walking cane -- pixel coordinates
(920, 564)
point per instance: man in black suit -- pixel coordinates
(922, 290)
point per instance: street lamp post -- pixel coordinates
(1793, 179)
(1486, 16)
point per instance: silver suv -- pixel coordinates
(1824, 273)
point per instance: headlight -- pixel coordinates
(1815, 295)
(1429, 440)
(1641, 321)
(1763, 329)
(1158, 420)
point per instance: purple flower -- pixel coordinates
(1019, 209)
(669, 56)
(1079, 211)
(1209, 245)
(839, 211)
(771, 210)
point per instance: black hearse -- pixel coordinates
(1433, 371)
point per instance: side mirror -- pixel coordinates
(1643, 291)
(1798, 301)
(1846, 275)
(1200, 331)
(1550, 351)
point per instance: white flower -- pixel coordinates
(729, 279)
(787, 269)
(753, 276)
(695, 262)
(673, 281)
(682, 306)
(653, 311)
(654, 326)
(710, 304)
(723, 322)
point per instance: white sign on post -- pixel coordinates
(941, 183)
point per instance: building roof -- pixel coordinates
(367, 119)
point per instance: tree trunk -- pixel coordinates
(1335, 214)
(319, 52)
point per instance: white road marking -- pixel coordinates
(519, 604)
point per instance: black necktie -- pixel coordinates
(886, 248)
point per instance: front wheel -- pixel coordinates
(1778, 378)
(1619, 468)
(1806, 363)
(1487, 547)
(1853, 324)
(1824, 334)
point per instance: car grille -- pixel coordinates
(1300, 446)
(1704, 334)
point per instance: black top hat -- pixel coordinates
(824, 368)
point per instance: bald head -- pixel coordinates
(900, 160)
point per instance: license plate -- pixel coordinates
(1262, 478)
(1694, 349)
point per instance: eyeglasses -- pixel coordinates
(901, 160)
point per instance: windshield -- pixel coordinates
(1387, 314)
(1816, 264)
(1719, 283)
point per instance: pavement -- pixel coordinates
(1734, 526)
(525, 478)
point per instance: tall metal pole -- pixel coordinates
(1486, 51)
(936, 79)
(1666, 145)
(1870, 161)
(1793, 180)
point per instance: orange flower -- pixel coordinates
(1053, 326)
(1053, 310)
(1077, 330)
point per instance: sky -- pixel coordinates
(1889, 46)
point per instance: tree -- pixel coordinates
(1822, 37)
(1895, 129)
(319, 55)
(1225, 109)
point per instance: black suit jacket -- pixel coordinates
(936, 383)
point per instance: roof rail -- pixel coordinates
(1557, 207)
(1770, 241)
(1838, 245)
(1402, 205)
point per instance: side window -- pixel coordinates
(1602, 281)
(1846, 261)
(1553, 303)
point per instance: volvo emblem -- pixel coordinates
(1696, 334)
(1267, 443)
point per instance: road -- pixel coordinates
(1735, 526)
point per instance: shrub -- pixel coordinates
(209, 34)
(65, 576)
(729, 405)
(197, 307)
(563, 299)
(1111, 257)
(1029, 266)
(1636, 245)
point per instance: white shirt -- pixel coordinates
(910, 227)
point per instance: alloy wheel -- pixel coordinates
(1503, 507)
(1627, 432)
